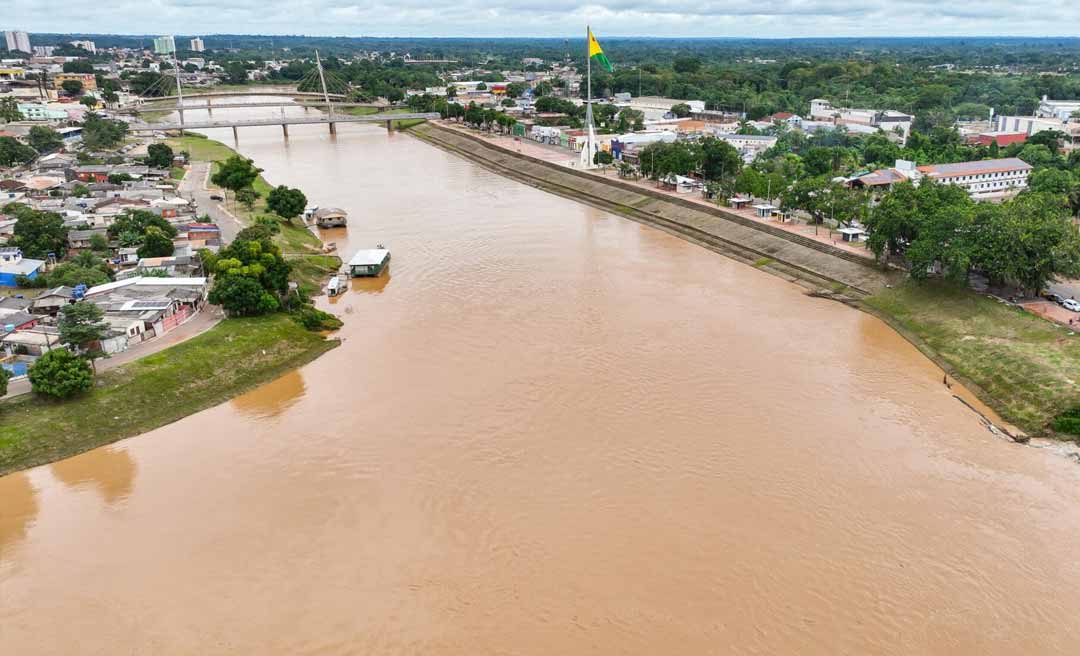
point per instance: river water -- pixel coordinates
(549, 430)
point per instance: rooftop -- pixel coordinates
(368, 256)
(980, 167)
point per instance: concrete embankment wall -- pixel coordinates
(790, 255)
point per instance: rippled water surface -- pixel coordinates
(549, 430)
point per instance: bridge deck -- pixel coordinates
(253, 92)
(282, 103)
(286, 120)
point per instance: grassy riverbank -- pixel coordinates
(229, 359)
(1026, 368)
(294, 237)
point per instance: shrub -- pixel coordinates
(315, 319)
(60, 374)
(1068, 422)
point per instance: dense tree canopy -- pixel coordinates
(286, 202)
(14, 153)
(36, 232)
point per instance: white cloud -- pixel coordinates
(733, 18)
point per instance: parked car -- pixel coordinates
(1071, 304)
(1055, 298)
(216, 197)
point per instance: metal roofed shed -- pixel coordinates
(369, 262)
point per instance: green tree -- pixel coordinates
(686, 65)
(80, 191)
(236, 173)
(44, 139)
(1029, 241)
(516, 89)
(286, 202)
(247, 197)
(137, 222)
(242, 296)
(69, 275)
(9, 110)
(159, 155)
(72, 87)
(36, 232)
(99, 244)
(14, 153)
(681, 110)
(719, 159)
(82, 327)
(5, 376)
(929, 225)
(88, 101)
(119, 178)
(1053, 181)
(101, 133)
(78, 66)
(155, 243)
(60, 374)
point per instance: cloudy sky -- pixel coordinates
(756, 18)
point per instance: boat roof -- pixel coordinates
(369, 256)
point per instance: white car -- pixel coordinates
(1070, 304)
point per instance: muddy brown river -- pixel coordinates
(550, 430)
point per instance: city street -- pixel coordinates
(194, 186)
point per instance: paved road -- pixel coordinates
(196, 325)
(194, 185)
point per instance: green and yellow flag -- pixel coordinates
(596, 53)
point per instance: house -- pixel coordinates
(16, 320)
(1059, 109)
(127, 256)
(890, 121)
(13, 265)
(984, 179)
(1030, 125)
(158, 304)
(999, 138)
(34, 341)
(50, 301)
(197, 231)
(173, 265)
(792, 120)
(749, 145)
(884, 179)
(80, 239)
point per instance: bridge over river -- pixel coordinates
(284, 122)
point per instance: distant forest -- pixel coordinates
(937, 79)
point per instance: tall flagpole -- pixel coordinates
(588, 64)
(587, 152)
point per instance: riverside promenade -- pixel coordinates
(816, 263)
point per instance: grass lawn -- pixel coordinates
(1027, 366)
(177, 172)
(201, 148)
(234, 356)
(310, 271)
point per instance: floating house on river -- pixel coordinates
(330, 217)
(369, 262)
